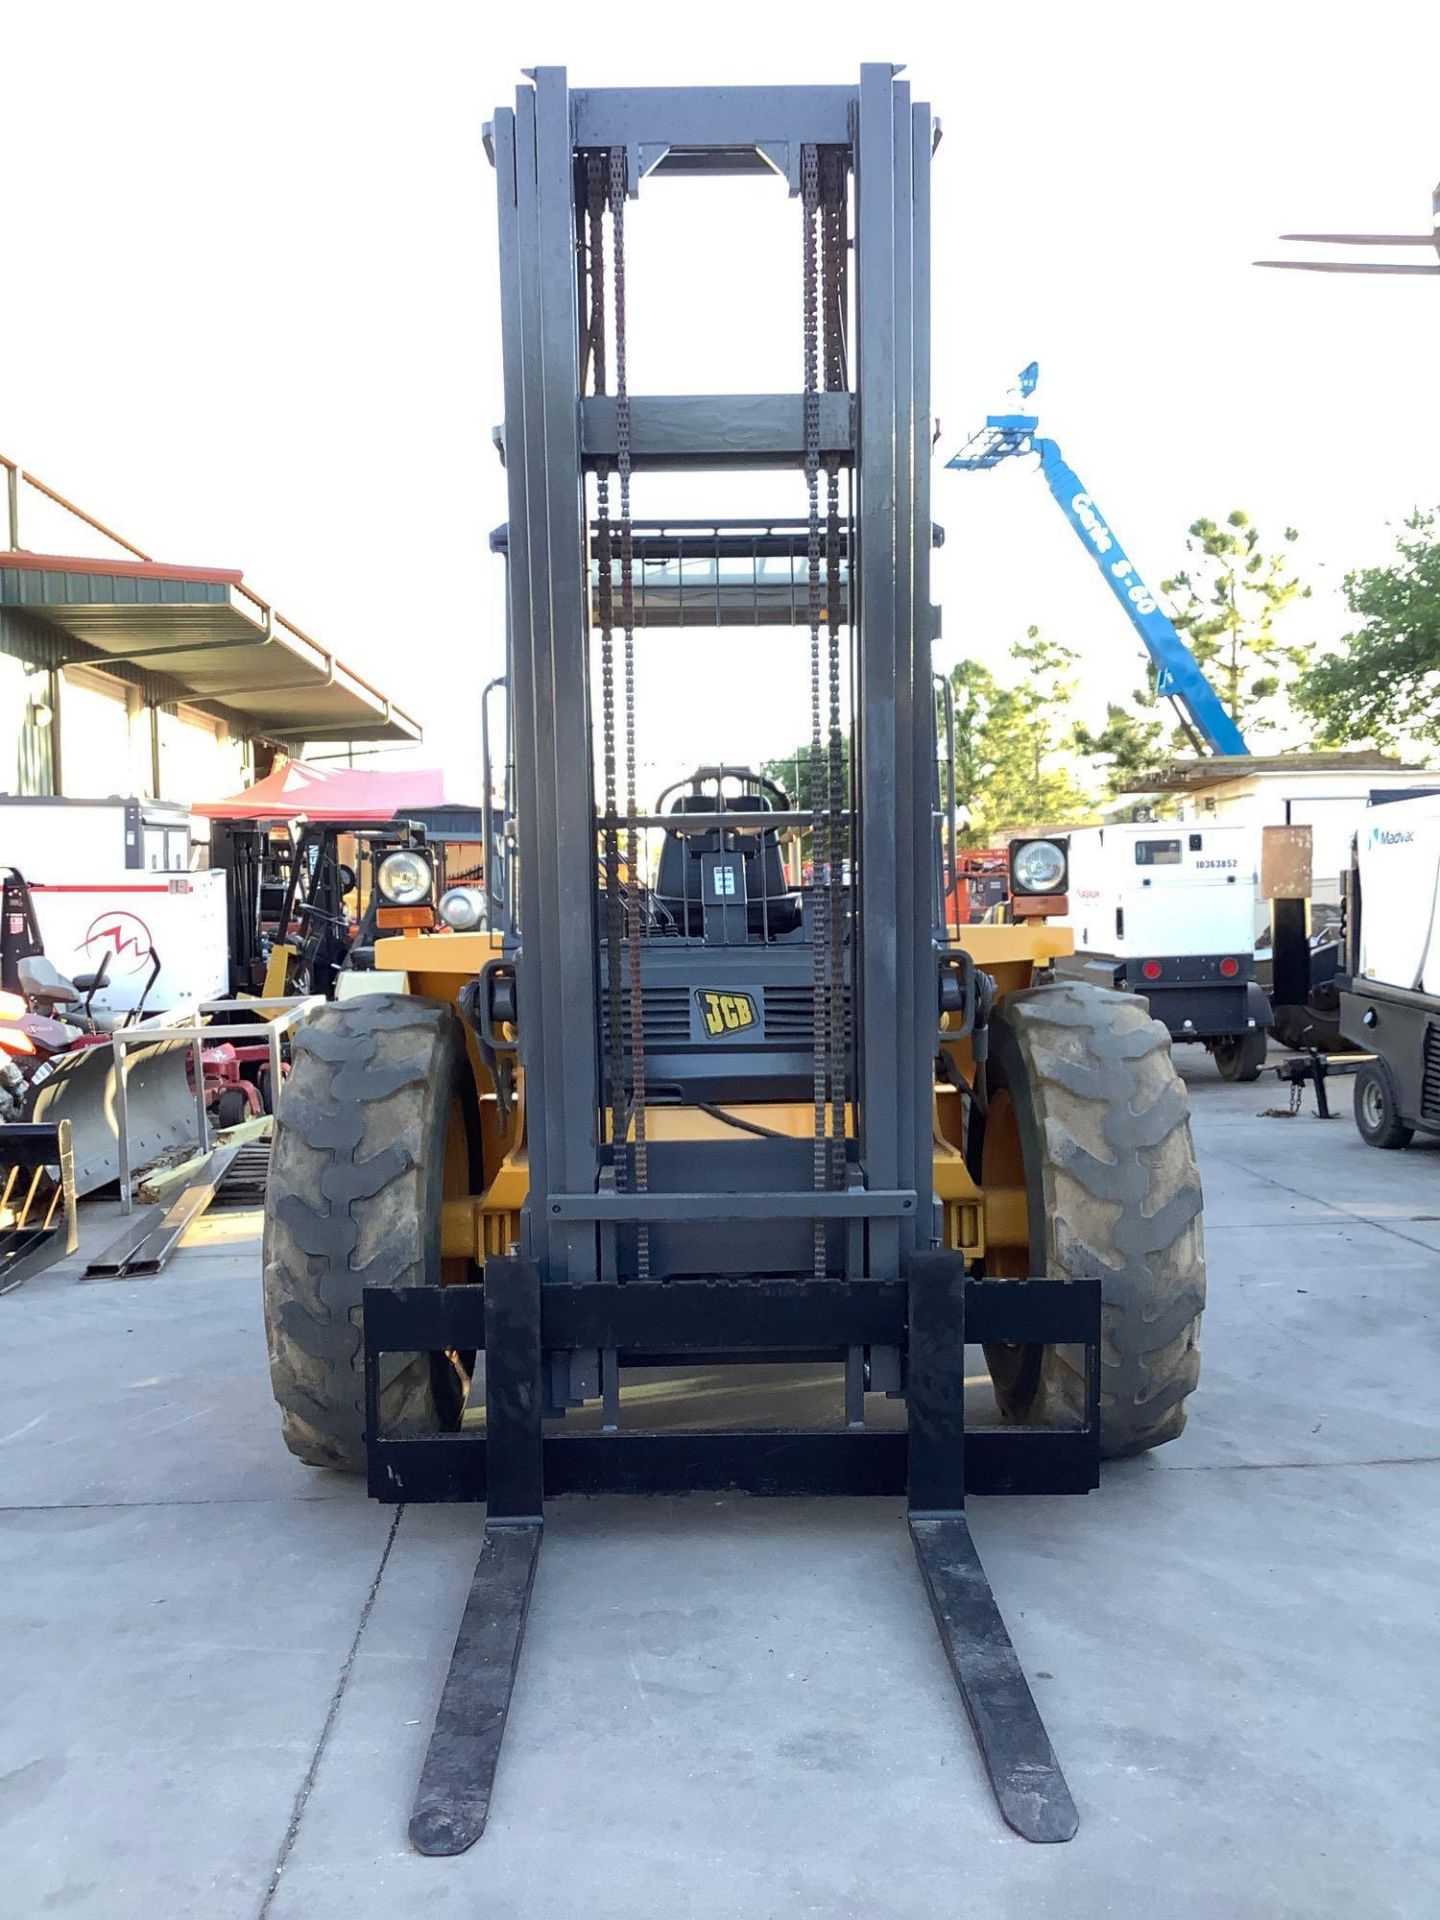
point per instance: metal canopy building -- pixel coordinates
(203, 629)
(1222, 769)
(178, 634)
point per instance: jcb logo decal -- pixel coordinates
(725, 1013)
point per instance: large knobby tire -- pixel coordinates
(1241, 1056)
(376, 1126)
(1088, 1113)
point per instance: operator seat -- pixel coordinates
(43, 984)
(772, 905)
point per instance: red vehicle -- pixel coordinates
(981, 881)
(238, 1081)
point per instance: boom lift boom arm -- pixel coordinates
(1177, 672)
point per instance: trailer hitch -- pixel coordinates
(1316, 1067)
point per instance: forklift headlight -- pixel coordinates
(404, 878)
(1038, 866)
(463, 909)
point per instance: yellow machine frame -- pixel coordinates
(977, 1221)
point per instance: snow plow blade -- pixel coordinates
(81, 1088)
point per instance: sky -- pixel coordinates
(250, 312)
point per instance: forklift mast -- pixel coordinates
(598, 968)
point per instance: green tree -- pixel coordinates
(794, 772)
(1132, 746)
(1233, 591)
(1384, 684)
(1011, 741)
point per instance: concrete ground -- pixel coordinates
(218, 1668)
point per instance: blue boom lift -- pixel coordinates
(1177, 673)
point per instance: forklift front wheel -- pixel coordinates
(377, 1127)
(1089, 1116)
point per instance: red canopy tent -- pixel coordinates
(295, 790)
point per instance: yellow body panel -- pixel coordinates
(1034, 940)
(438, 965)
(1010, 954)
(277, 970)
(961, 1199)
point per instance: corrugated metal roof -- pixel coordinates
(1189, 775)
(203, 630)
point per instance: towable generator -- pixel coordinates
(716, 1085)
(1167, 910)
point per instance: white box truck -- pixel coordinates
(1390, 984)
(1167, 910)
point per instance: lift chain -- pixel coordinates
(819, 813)
(638, 1155)
(597, 186)
(833, 263)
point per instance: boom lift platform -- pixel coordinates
(1007, 436)
(708, 1111)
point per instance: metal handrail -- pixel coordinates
(285, 1011)
(16, 473)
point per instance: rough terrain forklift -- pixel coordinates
(706, 1110)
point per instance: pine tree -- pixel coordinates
(1011, 742)
(1234, 590)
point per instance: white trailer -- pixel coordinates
(1328, 792)
(1390, 989)
(58, 840)
(1167, 909)
(113, 876)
